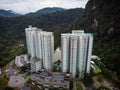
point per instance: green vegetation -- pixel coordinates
(87, 80)
(23, 69)
(8, 88)
(3, 82)
(55, 88)
(100, 77)
(26, 75)
(29, 81)
(108, 73)
(49, 10)
(79, 86)
(10, 54)
(35, 88)
(16, 80)
(71, 85)
(97, 69)
(7, 13)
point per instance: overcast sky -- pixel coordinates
(25, 6)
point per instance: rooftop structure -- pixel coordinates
(36, 64)
(48, 78)
(21, 60)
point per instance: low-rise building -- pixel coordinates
(57, 55)
(36, 64)
(21, 60)
(48, 78)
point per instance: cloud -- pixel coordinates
(26, 6)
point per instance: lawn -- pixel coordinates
(26, 75)
(78, 86)
(97, 69)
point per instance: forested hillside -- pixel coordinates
(8, 13)
(49, 10)
(102, 18)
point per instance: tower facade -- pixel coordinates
(40, 46)
(65, 52)
(76, 52)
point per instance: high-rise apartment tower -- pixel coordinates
(40, 46)
(76, 50)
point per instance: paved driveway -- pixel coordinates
(25, 88)
(16, 81)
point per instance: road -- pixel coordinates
(91, 87)
(15, 80)
(74, 85)
(25, 88)
(11, 71)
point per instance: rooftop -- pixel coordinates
(50, 78)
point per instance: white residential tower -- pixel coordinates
(76, 51)
(40, 45)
